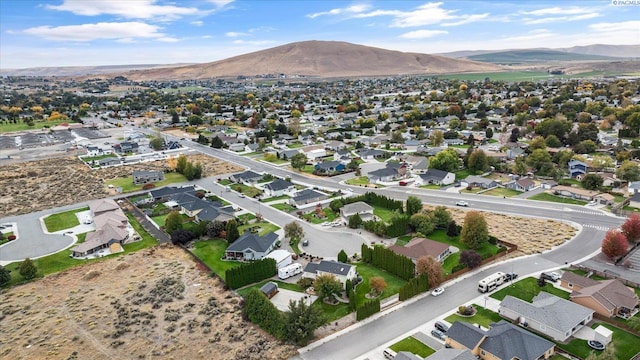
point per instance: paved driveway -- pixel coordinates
(281, 299)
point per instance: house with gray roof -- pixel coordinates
(391, 172)
(251, 246)
(450, 354)
(278, 187)
(147, 176)
(361, 208)
(437, 177)
(247, 177)
(547, 314)
(478, 181)
(503, 341)
(307, 196)
(166, 192)
(341, 271)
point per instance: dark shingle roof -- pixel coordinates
(332, 267)
(171, 190)
(254, 242)
(278, 184)
(307, 194)
(508, 341)
(465, 334)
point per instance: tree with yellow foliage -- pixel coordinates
(171, 163)
(56, 116)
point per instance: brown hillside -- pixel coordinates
(319, 59)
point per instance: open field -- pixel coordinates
(43, 184)
(161, 306)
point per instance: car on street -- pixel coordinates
(510, 276)
(241, 195)
(437, 291)
(551, 276)
(438, 334)
(462, 203)
(305, 242)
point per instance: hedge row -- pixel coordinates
(250, 273)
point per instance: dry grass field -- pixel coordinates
(43, 184)
(152, 304)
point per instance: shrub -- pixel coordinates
(148, 186)
(305, 282)
(458, 267)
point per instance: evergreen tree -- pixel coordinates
(173, 222)
(301, 321)
(5, 275)
(232, 231)
(28, 269)
(355, 221)
(343, 257)
(414, 205)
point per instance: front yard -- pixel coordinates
(558, 199)
(63, 220)
(262, 227)
(249, 191)
(483, 317)
(127, 184)
(504, 192)
(526, 289)
(412, 345)
(367, 271)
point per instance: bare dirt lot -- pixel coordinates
(43, 184)
(530, 234)
(155, 303)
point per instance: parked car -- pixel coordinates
(305, 242)
(442, 327)
(510, 276)
(438, 334)
(437, 291)
(552, 276)
(462, 203)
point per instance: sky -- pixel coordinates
(35, 33)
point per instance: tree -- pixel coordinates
(553, 141)
(600, 162)
(413, 205)
(343, 257)
(584, 147)
(335, 205)
(28, 269)
(478, 161)
(173, 222)
(215, 228)
(217, 143)
(515, 134)
(615, 244)
(422, 223)
(488, 133)
(355, 221)
(431, 268)
(631, 228)
(5, 275)
(520, 167)
(628, 171)
(591, 181)
(445, 160)
(232, 231)
(537, 142)
(189, 171)
(301, 321)
(441, 217)
(298, 161)
(294, 231)
(452, 229)
(156, 142)
(470, 259)
(377, 285)
(475, 231)
(437, 138)
(327, 286)
(539, 160)
(181, 236)
(181, 164)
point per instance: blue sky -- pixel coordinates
(113, 32)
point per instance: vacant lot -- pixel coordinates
(154, 303)
(43, 184)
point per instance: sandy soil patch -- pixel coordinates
(43, 184)
(160, 305)
(530, 234)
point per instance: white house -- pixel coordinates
(341, 271)
(435, 176)
(361, 208)
(278, 187)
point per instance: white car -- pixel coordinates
(437, 291)
(462, 203)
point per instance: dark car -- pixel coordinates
(438, 334)
(440, 326)
(510, 276)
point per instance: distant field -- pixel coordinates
(518, 76)
(38, 124)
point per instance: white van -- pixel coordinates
(388, 353)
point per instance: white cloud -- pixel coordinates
(123, 31)
(349, 10)
(427, 14)
(234, 34)
(572, 10)
(197, 23)
(138, 9)
(620, 28)
(221, 3)
(423, 34)
(467, 19)
(253, 42)
(558, 14)
(532, 35)
(547, 20)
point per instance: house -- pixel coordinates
(606, 297)
(361, 208)
(447, 354)
(419, 247)
(282, 258)
(286, 154)
(251, 246)
(94, 151)
(514, 152)
(144, 177)
(200, 209)
(278, 187)
(522, 184)
(574, 192)
(370, 154)
(478, 181)
(391, 172)
(314, 151)
(165, 193)
(125, 147)
(577, 168)
(548, 184)
(307, 196)
(436, 177)
(605, 199)
(341, 271)
(547, 314)
(269, 289)
(503, 341)
(634, 201)
(237, 147)
(112, 229)
(248, 177)
(110, 161)
(633, 187)
(252, 147)
(452, 142)
(329, 167)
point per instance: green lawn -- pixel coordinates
(626, 344)
(263, 227)
(486, 250)
(462, 174)
(37, 124)
(362, 180)
(431, 186)
(283, 207)
(332, 312)
(211, 252)
(127, 184)
(61, 261)
(526, 289)
(224, 182)
(281, 285)
(383, 213)
(367, 271)
(483, 317)
(558, 199)
(403, 240)
(274, 160)
(329, 215)
(249, 191)
(63, 220)
(246, 217)
(502, 192)
(413, 346)
(275, 198)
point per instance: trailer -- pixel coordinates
(289, 271)
(491, 282)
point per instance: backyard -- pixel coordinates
(367, 271)
(63, 220)
(261, 228)
(127, 184)
(211, 253)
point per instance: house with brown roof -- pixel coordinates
(606, 297)
(419, 247)
(523, 184)
(112, 229)
(575, 192)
